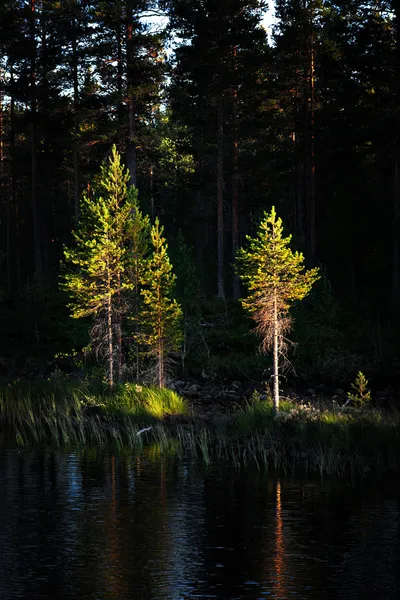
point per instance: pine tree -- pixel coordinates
(101, 259)
(275, 278)
(160, 313)
(139, 245)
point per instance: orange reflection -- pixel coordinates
(113, 572)
(279, 555)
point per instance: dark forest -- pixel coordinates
(217, 120)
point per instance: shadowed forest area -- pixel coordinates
(217, 122)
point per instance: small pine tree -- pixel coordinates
(275, 278)
(99, 258)
(361, 394)
(160, 314)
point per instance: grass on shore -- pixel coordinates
(70, 413)
(353, 442)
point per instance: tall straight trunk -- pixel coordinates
(47, 224)
(311, 209)
(200, 212)
(298, 141)
(396, 225)
(9, 202)
(276, 356)
(76, 113)
(33, 94)
(118, 332)
(110, 342)
(309, 136)
(298, 204)
(131, 158)
(152, 211)
(235, 185)
(120, 67)
(13, 195)
(396, 176)
(160, 359)
(220, 200)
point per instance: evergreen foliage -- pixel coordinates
(275, 278)
(100, 258)
(360, 394)
(160, 314)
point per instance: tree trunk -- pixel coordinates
(160, 359)
(235, 184)
(220, 201)
(131, 158)
(119, 67)
(14, 197)
(35, 208)
(276, 357)
(110, 342)
(76, 116)
(118, 332)
(46, 225)
(152, 211)
(309, 138)
(311, 210)
(9, 199)
(200, 213)
(396, 176)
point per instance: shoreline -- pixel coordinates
(350, 442)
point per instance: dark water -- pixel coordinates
(94, 525)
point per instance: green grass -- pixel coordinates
(354, 443)
(68, 413)
(140, 401)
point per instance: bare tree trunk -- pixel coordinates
(309, 135)
(200, 212)
(311, 210)
(119, 66)
(131, 158)
(235, 216)
(9, 199)
(76, 116)
(220, 201)
(14, 197)
(235, 184)
(276, 357)
(35, 208)
(152, 211)
(298, 205)
(110, 341)
(45, 165)
(160, 359)
(118, 332)
(396, 177)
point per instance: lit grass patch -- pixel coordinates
(146, 402)
(160, 402)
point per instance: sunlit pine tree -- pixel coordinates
(139, 248)
(99, 260)
(275, 278)
(160, 313)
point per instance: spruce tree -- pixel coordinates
(160, 314)
(100, 259)
(275, 278)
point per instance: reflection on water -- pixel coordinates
(94, 525)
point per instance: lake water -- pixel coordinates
(95, 525)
